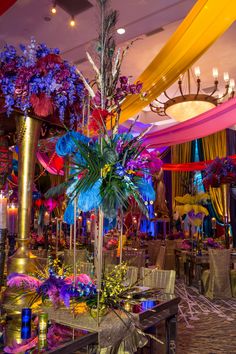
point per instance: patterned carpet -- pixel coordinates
(205, 327)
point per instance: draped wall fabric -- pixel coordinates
(231, 149)
(215, 145)
(207, 20)
(180, 153)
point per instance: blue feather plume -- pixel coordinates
(146, 189)
(67, 144)
(69, 214)
(91, 198)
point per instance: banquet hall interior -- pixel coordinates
(117, 176)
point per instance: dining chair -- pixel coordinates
(153, 250)
(86, 268)
(109, 257)
(216, 280)
(160, 260)
(134, 257)
(233, 282)
(80, 256)
(170, 253)
(160, 279)
(132, 275)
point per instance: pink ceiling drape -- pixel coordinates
(218, 118)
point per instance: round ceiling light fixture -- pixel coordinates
(190, 104)
(120, 31)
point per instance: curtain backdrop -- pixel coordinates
(207, 21)
(231, 149)
(215, 145)
(180, 153)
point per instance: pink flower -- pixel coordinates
(82, 278)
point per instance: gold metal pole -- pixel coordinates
(30, 129)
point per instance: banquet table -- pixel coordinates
(117, 329)
(147, 315)
(195, 264)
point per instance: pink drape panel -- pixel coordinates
(45, 162)
(217, 119)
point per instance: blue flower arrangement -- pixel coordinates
(112, 178)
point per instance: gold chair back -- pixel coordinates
(81, 256)
(160, 279)
(86, 268)
(160, 260)
(219, 279)
(153, 250)
(134, 257)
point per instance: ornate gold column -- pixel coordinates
(28, 135)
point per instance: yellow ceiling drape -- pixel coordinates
(206, 21)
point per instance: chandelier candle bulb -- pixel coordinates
(215, 73)
(197, 72)
(232, 84)
(226, 77)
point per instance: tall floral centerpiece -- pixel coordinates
(194, 206)
(220, 171)
(35, 84)
(108, 168)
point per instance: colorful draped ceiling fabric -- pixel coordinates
(5, 5)
(190, 166)
(206, 22)
(217, 119)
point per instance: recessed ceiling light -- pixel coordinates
(54, 9)
(72, 22)
(120, 31)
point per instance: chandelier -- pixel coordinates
(189, 104)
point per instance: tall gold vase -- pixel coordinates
(28, 134)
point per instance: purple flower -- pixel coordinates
(40, 80)
(123, 80)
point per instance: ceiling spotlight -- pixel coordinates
(120, 31)
(72, 22)
(54, 9)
